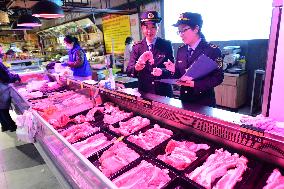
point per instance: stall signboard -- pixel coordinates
(116, 28)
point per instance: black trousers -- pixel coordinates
(6, 120)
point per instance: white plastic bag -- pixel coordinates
(27, 127)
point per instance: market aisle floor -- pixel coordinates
(21, 166)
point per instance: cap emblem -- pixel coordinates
(150, 15)
(181, 17)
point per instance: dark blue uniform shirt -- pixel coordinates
(162, 51)
(203, 90)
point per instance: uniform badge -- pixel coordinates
(213, 46)
(150, 15)
(219, 61)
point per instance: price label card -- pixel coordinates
(252, 133)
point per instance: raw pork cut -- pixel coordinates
(92, 144)
(61, 122)
(76, 132)
(145, 175)
(151, 137)
(181, 154)
(230, 167)
(116, 157)
(275, 180)
(130, 126)
(116, 116)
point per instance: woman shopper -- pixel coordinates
(6, 77)
(77, 59)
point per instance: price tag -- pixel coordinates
(252, 133)
(119, 139)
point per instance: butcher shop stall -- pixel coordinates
(94, 137)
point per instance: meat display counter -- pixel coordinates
(25, 65)
(220, 133)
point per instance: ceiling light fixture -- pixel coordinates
(28, 20)
(15, 27)
(47, 9)
(4, 18)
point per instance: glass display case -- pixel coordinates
(220, 129)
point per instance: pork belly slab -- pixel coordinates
(76, 132)
(92, 144)
(145, 175)
(275, 180)
(180, 154)
(230, 167)
(151, 137)
(130, 126)
(116, 157)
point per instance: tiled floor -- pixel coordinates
(21, 166)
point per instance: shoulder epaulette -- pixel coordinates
(213, 46)
(137, 42)
(181, 46)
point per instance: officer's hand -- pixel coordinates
(147, 55)
(139, 66)
(157, 72)
(170, 66)
(188, 80)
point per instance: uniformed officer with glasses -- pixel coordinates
(201, 90)
(149, 71)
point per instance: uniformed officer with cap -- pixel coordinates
(201, 90)
(147, 72)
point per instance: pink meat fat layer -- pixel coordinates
(116, 157)
(151, 137)
(275, 180)
(221, 164)
(92, 144)
(145, 175)
(180, 154)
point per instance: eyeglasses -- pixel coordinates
(182, 31)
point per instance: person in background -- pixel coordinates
(25, 54)
(127, 51)
(149, 71)
(200, 91)
(77, 59)
(6, 77)
(10, 54)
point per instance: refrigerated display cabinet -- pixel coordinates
(222, 128)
